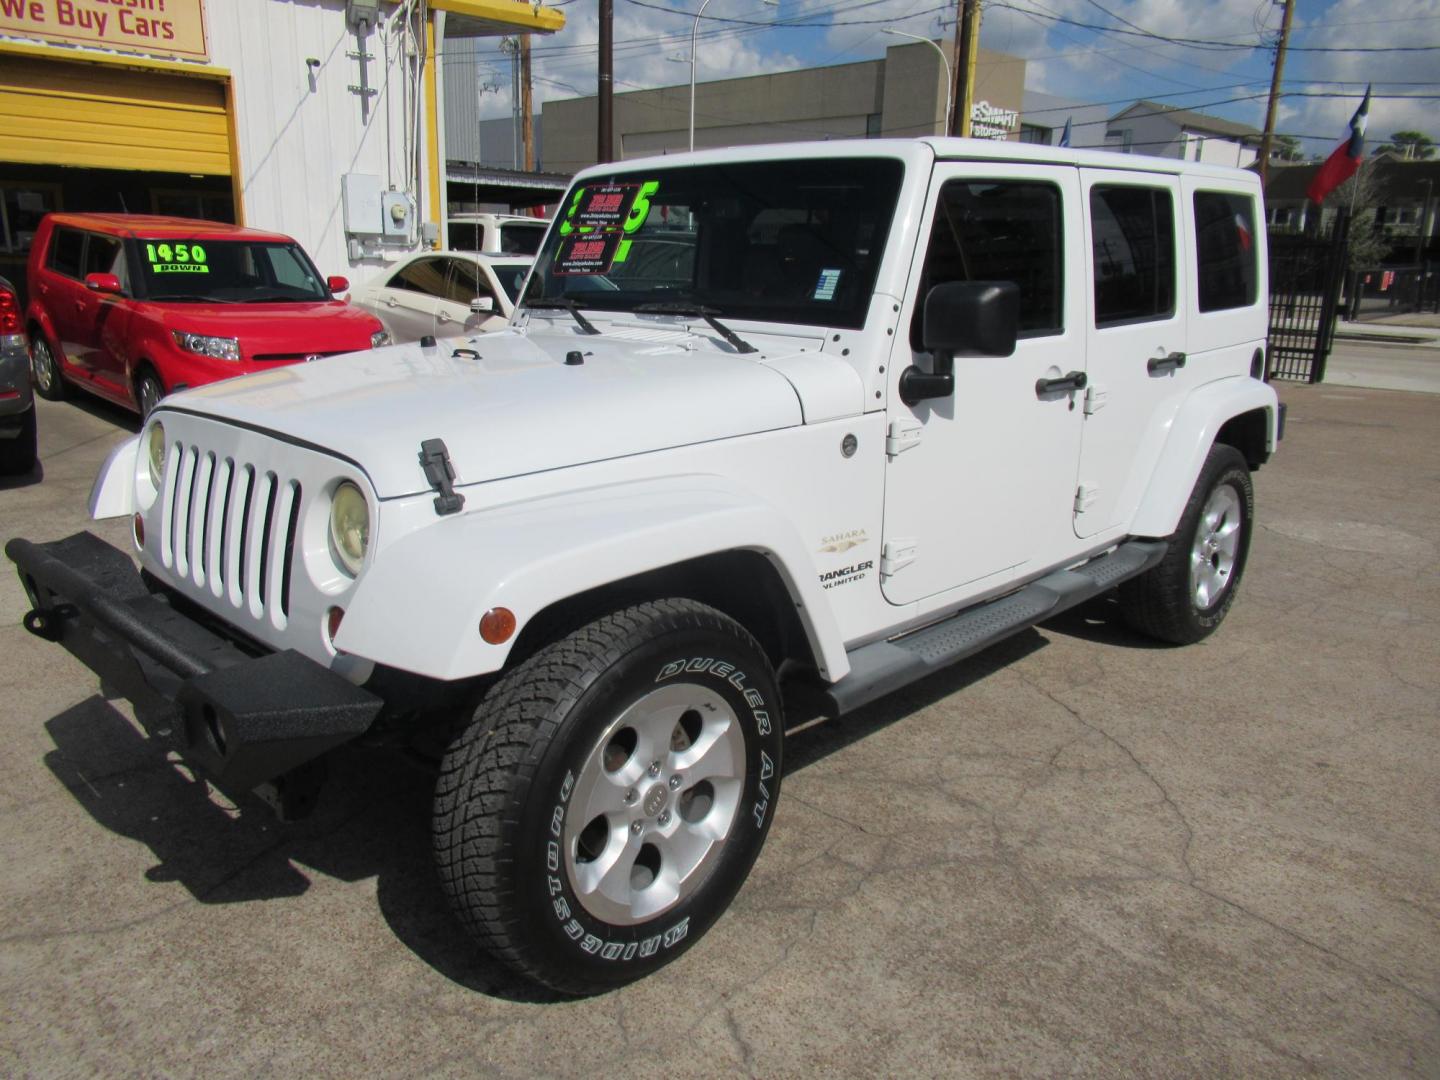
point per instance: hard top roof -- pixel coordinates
(156, 227)
(934, 148)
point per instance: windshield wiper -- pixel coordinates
(706, 313)
(564, 304)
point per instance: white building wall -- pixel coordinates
(299, 127)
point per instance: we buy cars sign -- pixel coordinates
(157, 27)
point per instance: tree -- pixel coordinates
(1286, 148)
(1363, 194)
(1411, 145)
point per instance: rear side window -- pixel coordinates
(65, 251)
(426, 276)
(1134, 252)
(999, 230)
(521, 239)
(1225, 250)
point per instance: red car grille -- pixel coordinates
(295, 357)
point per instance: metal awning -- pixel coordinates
(496, 18)
(465, 182)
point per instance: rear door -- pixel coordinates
(1138, 371)
(407, 303)
(979, 484)
(64, 297)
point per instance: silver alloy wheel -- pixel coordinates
(1217, 542)
(654, 802)
(42, 365)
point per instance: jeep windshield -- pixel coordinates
(796, 241)
(227, 272)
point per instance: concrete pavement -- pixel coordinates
(1077, 854)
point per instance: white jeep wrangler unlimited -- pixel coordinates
(835, 414)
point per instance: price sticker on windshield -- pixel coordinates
(609, 208)
(176, 258)
(586, 253)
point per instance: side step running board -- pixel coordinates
(882, 666)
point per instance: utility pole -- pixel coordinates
(527, 128)
(967, 45)
(1275, 80)
(604, 143)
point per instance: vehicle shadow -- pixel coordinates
(1099, 620)
(103, 410)
(373, 820)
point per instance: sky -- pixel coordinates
(1214, 56)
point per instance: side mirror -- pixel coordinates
(482, 305)
(962, 318)
(337, 284)
(104, 283)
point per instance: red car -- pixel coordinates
(132, 307)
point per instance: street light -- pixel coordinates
(945, 129)
(693, 31)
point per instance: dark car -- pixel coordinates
(17, 406)
(131, 307)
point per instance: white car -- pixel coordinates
(840, 414)
(495, 234)
(444, 294)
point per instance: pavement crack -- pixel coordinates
(1140, 767)
(747, 1052)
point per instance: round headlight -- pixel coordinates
(155, 452)
(350, 526)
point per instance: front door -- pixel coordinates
(980, 485)
(407, 303)
(106, 319)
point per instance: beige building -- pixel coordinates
(902, 95)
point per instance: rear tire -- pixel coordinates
(611, 794)
(45, 370)
(18, 455)
(1186, 596)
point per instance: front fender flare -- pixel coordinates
(419, 604)
(1192, 432)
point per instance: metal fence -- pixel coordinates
(1305, 278)
(1376, 292)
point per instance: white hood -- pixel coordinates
(518, 407)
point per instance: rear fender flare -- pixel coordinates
(418, 606)
(1192, 433)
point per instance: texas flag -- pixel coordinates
(1346, 158)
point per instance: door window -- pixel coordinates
(1225, 250)
(999, 230)
(66, 250)
(105, 255)
(465, 282)
(423, 276)
(1133, 245)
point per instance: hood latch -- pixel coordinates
(440, 474)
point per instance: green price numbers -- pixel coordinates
(174, 253)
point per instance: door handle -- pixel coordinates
(1075, 380)
(1159, 365)
(390, 301)
(443, 317)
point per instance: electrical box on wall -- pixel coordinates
(360, 198)
(397, 213)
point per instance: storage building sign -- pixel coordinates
(158, 27)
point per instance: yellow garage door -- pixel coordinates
(58, 113)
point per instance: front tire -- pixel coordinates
(611, 794)
(1186, 596)
(148, 393)
(45, 370)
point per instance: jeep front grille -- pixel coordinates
(231, 528)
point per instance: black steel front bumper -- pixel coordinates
(244, 719)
